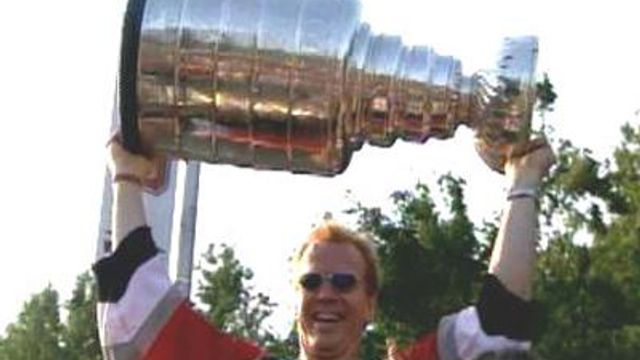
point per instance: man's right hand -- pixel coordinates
(125, 166)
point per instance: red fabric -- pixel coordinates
(426, 348)
(188, 336)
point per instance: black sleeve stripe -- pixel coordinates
(503, 313)
(114, 272)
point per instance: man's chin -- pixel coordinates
(327, 340)
(326, 348)
(327, 328)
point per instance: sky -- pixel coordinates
(58, 64)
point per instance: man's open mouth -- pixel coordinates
(327, 317)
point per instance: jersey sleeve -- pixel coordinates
(143, 315)
(499, 323)
(426, 348)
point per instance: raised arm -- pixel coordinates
(128, 173)
(141, 313)
(514, 253)
(501, 320)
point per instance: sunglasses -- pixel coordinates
(342, 282)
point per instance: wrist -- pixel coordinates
(127, 179)
(526, 181)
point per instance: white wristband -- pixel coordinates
(522, 193)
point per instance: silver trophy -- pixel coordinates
(300, 85)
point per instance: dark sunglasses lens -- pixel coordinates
(311, 281)
(343, 282)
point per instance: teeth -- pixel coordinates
(327, 317)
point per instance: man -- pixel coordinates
(143, 316)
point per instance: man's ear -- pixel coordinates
(372, 303)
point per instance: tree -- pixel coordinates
(230, 302)
(37, 334)
(618, 248)
(583, 308)
(80, 334)
(590, 290)
(411, 246)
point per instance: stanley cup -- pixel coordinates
(300, 85)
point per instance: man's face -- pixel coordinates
(330, 321)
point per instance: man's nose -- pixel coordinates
(326, 291)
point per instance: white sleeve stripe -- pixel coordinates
(446, 341)
(460, 337)
(121, 321)
(149, 330)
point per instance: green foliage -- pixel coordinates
(285, 348)
(580, 304)
(233, 305)
(80, 334)
(37, 334)
(545, 94)
(626, 179)
(418, 287)
(590, 291)
(373, 344)
(230, 302)
(580, 190)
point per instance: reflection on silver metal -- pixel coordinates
(302, 84)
